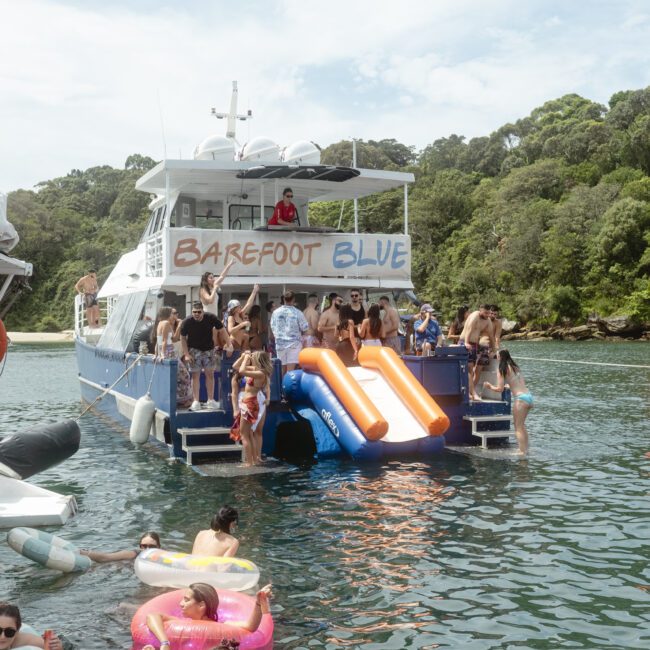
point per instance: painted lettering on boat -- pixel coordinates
(351, 253)
(291, 254)
(188, 253)
(329, 420)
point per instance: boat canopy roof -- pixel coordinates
(13, 266)
(205, 178)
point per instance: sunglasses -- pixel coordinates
(354, 295)
(289, 196)
(148, 546)
(9, 632)
(197, 311)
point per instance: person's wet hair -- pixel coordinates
(11, 611)
(222, 521)
(153, 535)
(505, 362)
(204, 593)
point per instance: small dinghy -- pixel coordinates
(27, 453)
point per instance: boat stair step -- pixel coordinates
(203, 431)
(209, 449)
(486, 435)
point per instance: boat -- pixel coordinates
(23, 454)
(215, 207)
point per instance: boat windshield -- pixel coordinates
(121, 325)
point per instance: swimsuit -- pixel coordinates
(90, 299)
(371, 342)
(524, 397)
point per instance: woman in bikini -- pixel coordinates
(238, 324)
(256, 368)
(200, 603)
(346, 346)
(162, 340)
(372, 329)
(456, 327)
(510, 375)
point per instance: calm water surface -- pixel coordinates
(462, 551)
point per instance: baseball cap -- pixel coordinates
(427, 308)
(232, 304)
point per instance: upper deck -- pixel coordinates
(208, 211)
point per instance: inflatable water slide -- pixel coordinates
(373, 411)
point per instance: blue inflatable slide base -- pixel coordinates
(313, 399)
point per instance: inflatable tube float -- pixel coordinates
(48, 550)
(202, 635)
(160, 568)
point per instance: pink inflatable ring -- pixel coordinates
(187, 634)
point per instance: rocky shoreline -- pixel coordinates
(612, 328)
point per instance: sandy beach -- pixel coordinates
(67, 336)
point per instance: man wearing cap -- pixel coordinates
(200, 334)
(427, 331)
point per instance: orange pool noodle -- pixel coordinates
(364, 413)
(413, 394)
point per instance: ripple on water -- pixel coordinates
(464, 552)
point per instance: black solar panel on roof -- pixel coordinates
(307, 172)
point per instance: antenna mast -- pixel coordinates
(232, 115)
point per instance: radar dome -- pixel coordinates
(261, 150)
(302, 152)
(216, 147)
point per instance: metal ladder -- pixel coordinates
(486, 435)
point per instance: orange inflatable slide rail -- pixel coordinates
(402, 381)
(364, 413)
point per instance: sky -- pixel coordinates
(89, 83)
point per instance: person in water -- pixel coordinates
(218, 541)
(12, 637)
(510, 375)
(147, 541)
(200, 602)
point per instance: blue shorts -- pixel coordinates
(524, 397)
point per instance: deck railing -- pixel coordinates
(80, 321)
(154, 255)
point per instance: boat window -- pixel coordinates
(126, 313)
(247, 217)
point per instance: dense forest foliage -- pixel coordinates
(549, 217)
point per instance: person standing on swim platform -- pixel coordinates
(88, 288)
(285, 213)
(510, 375)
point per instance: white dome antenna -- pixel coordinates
(232, 115)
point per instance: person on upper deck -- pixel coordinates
(285, 213)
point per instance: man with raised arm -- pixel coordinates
(391, 325)
(329, 320)
(478, 324)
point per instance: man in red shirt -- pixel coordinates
(285, 211)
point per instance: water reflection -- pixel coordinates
(464, 552)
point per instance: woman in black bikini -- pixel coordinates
(346, 347)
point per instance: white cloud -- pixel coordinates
(79, 83)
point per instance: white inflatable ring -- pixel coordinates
(160, 568)
(49, 550)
